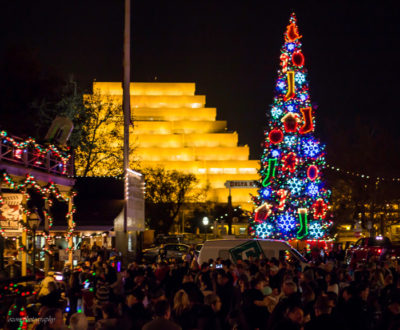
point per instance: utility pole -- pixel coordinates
(127, 113)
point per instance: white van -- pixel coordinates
(242, 249)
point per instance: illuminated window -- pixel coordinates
(202, 170)
(215, 170)
(230, 170)
(247, 170)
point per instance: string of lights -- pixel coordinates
(361, 175)
(30, 142)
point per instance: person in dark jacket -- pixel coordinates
(162, 314)
(52, 299)
(293, 318)
(134, 312)
(323, 318)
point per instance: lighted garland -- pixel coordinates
(2, 231)
(293, 159)
(30, 142)
(361, 175)
(71, 228)
(46, 192)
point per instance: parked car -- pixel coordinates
(167, 251)
(378, 246)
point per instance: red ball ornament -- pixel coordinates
(298, 59)
(276, 136)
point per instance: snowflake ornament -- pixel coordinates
(316, 230)
(264, 230)
(286, 222)
(295, 185)
(312, 189)
(276, 112)
(311, 148)
(300, 78)
(290, 140)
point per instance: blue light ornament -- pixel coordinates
(264, 230)
(315, 230)
(295, 185)
(286, 222)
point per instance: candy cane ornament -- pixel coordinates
(283, 194)
(284, 62)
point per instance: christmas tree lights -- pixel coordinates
(293, 201)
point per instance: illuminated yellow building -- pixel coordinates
(173, 128)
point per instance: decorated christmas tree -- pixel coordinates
(293, 200)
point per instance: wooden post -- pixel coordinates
(24, 237)
(70, 224)
(46, 230)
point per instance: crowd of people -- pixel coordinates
(251, 294)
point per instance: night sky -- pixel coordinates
(230, 49)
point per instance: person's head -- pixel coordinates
(187, 278)
(388, 279)
(78, 321)
(109, 311)
(295, 314)
(363, 291)
(213, 301)
(222, 278)
(99, 258)
(288, 288)
(308, 293)
(243, 281)
(134, 297)
(332, 299)
(181, 302)
(157, 295)
(52, 286)
(162, 310)
(256, 284)
(322, 306)
(348, 293)
(54, 318)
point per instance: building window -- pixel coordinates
(247, 170)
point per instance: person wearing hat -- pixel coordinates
(44, 290)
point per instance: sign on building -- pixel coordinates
(135, 204)
(11, 212)
(241, 184)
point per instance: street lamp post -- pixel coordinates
(34, 222)
(205, 223)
